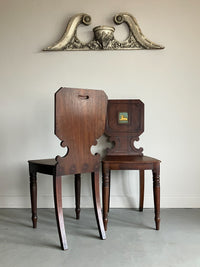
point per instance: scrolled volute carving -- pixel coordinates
(139, 150)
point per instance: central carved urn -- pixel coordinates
(104, 35)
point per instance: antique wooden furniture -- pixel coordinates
(124, 125)
(79, 120)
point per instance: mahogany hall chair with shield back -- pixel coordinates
(124, 125)
(79, 120)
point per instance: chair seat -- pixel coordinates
(46, 166)
(129, 158)
(130, 162)
(51, 162)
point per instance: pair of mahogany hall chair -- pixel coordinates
(81, 117)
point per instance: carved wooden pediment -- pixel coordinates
(104, 38)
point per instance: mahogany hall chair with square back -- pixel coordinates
(124, 125)
(79, 120)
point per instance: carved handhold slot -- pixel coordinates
(83, 97)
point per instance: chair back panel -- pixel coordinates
(79, 120)
(124, 125)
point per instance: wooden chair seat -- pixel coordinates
(48, 162)
(125, 160)
(46, 166)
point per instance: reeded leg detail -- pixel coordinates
(33, 194)
(106, 194)
(57, 186)
(156, 191)
(141, 190)
(97, 204)
(77, 195)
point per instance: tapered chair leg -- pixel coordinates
(156, 192)
(33, 194)
(77, 180)
(141, 190)
(97, 204)
(106, 194)
(57, 186)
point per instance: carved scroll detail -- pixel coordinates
(124, 144)
(136, 39)
(132, 146)
(103, 36)
(69, 40)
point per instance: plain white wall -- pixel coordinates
(167, 81)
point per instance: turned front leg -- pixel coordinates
(156, 191)
(141, 190)
(33, 194)
(106, 194)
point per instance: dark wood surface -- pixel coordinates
(79, 120)
(77, 186)
(126, 131)
(124, 155)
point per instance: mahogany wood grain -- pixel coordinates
(80, 120)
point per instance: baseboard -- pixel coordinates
(169, 201)
(46, 201)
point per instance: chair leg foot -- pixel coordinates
(97, 204)
(33, 194)
(157, 224)
(77, 181)
(57, 186)
(156, 190)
